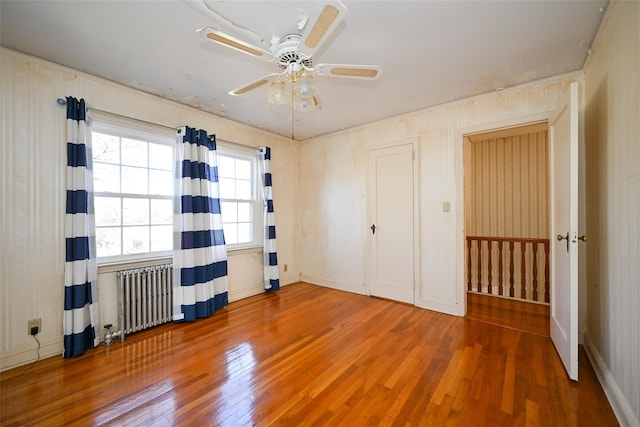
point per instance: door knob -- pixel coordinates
(560, 238)
(583, 238)
(373, 228)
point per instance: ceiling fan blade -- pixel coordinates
(367, 72)
(254, 84)
(314, 35)
(237, 44)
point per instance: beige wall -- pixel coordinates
(507, 185)
(333, 171)
(612, 158)
(33, 161)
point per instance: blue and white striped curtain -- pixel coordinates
(199, 255)
(270, 261)
(81, 274)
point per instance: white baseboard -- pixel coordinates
(289, 278)
(452, 309)
(28, 354)
(248, 291)
(321, 281)
(619, 404)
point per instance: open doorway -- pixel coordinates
(506, 199)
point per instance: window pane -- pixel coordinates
(244, 212)
(226, 166)
(134, 180)
(243, 169)
(243, 190)
(135, 211)
(229, 211)
(131, 165)
(160, 156)
(106, 148)
(106, 178)
(107, 211)
(161, 238)
(227, 188)
(245, 234)
(230, 233)
(107, 241)
(135, 240)
(161, 211)
(160, 182)
(134, 153)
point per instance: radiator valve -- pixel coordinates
(110, 337)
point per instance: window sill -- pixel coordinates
(113, 266)
(247, 250)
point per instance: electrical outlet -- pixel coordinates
(34, 324)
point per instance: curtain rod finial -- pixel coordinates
(61, 101)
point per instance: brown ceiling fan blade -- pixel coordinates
(237, 44)
(315, 34)
(367, 72)
(254, 85)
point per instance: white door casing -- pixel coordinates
(391, 222)
(563, 143)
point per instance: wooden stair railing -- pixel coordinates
(532, 252)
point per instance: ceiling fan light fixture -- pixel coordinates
(304, 86)
(279, 93)
(304, 103)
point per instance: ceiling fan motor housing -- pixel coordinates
(287, 53)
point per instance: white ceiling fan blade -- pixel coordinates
(316, 33)
(254, 84)
(237, 44)
(367, 72)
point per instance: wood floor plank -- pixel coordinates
(509, 313)
(309, 355)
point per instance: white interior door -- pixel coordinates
(563, 139)
(391, 258)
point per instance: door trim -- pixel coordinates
(461, 133)
(415, 143)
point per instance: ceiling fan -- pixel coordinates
(293, 55)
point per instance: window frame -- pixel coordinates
(133, 129)
(233, 150)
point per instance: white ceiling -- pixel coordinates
(431, 52)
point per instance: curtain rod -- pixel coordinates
(62, 101)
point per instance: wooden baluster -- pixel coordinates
(500, 267)
(511, 280)
(547, 285)
(479, 265)
(469, 243)
(490, 277)
(535, 271)
(523, 269)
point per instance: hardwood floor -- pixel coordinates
(309, 355)
(524, 316)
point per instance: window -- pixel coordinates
(240, 207)
(134, 183)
